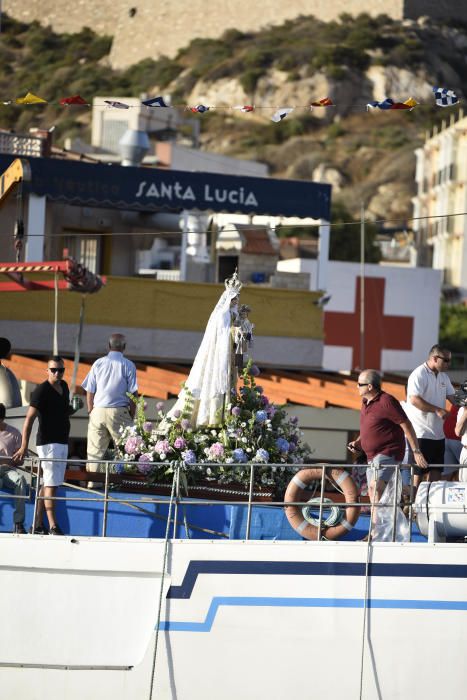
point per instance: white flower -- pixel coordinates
(243, 425)
(162, 456)
(209, 471)
(248, 449)
(214, 432)
(229, 460)
(244, 439)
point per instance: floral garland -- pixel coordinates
(254, 430)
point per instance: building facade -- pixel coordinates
(441, 200)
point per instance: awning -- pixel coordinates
(152, 189)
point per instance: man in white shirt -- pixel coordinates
(428, 389)
(107, 384)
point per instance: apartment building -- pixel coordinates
(439, 206)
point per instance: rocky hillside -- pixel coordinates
(366, 156)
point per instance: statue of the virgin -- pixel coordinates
(211, 379)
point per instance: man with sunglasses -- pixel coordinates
(428, 389)
(50, 402)
(384, 427)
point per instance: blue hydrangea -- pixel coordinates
(261, 416)
(282, 444)
(261, 455)
(189, 457)
(119, 468)
(239, 455)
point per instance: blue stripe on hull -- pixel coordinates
(293, 568)
(374, 603)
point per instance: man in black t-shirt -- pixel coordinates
(50, 401)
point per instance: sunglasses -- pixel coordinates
(56, 370)
(444, 359)
(363, 383)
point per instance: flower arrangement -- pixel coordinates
(253, 430)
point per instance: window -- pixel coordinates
(84, 248)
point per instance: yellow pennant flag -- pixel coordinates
(30, 99)
(411, 102)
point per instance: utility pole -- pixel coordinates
(362, 287)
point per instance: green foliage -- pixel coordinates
(345, 238)
(453, 327)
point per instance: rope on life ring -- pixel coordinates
(296, 493)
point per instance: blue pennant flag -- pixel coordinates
(155, 102)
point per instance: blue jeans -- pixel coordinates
(12, 480)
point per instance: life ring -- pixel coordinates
(296, 493)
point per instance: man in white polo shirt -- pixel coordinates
(107, 384)
(428, 388)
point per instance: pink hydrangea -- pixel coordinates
(162, 446)
(133, 444)
(216, 450)
(179, 443)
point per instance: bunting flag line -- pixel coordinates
(30, 99)
(281, 114)
(155, 102)
(116, 104)
(445, 97)
(73, 100)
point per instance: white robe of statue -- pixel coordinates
(209, 380)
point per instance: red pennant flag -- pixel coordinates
(324, 102)
(245, 108)
(73, 100)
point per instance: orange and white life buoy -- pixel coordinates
(296, 493)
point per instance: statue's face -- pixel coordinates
(234, 302)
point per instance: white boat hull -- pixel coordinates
(250, 619)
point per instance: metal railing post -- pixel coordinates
(250, 498)
(177, 496)
(394, 505)
(38, 483)
(321, 497)
(106, 501)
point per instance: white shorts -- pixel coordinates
(53, 472)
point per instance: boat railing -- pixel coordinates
(109, 474)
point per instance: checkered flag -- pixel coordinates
(445, 97)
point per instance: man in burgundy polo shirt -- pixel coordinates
(383, 429)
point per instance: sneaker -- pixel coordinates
(19, 529)
(55, 531)
(38, 530)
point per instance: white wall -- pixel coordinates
(413, 292)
